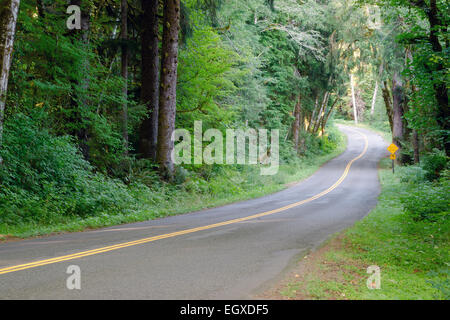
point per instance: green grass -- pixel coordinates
(413, 256)
(195, 194)
(290, 290)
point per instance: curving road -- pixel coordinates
(230, 252)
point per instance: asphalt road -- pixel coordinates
(230, 252)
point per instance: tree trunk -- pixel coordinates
(41, 8)
(168, 90)
(321, 112)
(79, 100)
(308, 119)
(327, 116)
(415, 143)
(375, 93)
(296, 126)
(388, 103)
(313, 114)
(374, 99)
(355, 111)
(150, 79)
(9, 11)
(397, 108)
(438, 22)
(440, 88)
(124, 38)
(415, 135)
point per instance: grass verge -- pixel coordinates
(413, 256)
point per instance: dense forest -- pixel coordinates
(88, 107)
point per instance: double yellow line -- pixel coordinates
(187, 231)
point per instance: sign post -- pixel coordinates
(393, 162)
(393, 149)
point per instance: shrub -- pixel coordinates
(412, 174)
(427, 201)
(44, 179)
(434, 163)
(34, 158)
(443, 284)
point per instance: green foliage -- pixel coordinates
(412, 254)
(441, 281)
(96, 201)
(427, 202)
(433, 163)
(45, 179)
(34, 157)
(423, 200)
(330, 141)
(207, 74)
(413, 175)
(241, 64)
(77, 85)
(418, 30)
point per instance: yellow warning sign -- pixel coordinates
(393, 156)
(392, 148)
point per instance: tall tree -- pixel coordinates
(398, 112)
(150, 78)
(375, 92)
(296, 125)
(355, 111)
(425, 29)
(388, 104)
(9, 10)
(438, 20)
(168, 88)
(124, 38)
(79, 100)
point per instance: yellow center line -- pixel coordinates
(187, 231)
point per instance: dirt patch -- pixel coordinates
(11, 238)
(8, 238)
(319, 275)
(291, 184)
